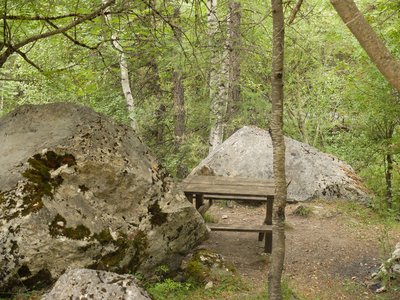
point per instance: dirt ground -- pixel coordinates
(330, 254)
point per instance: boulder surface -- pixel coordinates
(310, 173)
(93, 284)
(78, 190)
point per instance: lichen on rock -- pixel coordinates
(79, 190)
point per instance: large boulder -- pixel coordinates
(80, 191)
(310, 173)
(93, 284)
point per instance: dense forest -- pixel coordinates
(173, 52)
(188, 69)
(336, 100)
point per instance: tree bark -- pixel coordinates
(278, 142)
(179, 109)
(294, 12)
(178, 93)
(123, 64)
(388, 178)
(217, 80)
(388, 65)
(234, 42)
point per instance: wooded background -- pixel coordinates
(187, 74)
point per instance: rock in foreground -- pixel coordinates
(310, 173)
(80, 191)
(99, 285)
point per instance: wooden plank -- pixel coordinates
(239, 228)
(235, 197)
(228, 180)
(219, 185)
(229, 190)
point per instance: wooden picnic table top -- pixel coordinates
(234, 186)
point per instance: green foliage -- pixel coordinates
(335, 99)
(209, 218)
(169, 289)
(303, 211)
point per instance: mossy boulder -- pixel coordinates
(204, 265)
(78, 190)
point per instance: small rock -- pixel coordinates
(101, 285)
(224, 217)
(209, 285)
(396, 268)
(381, 290)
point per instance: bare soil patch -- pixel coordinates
(330, 254)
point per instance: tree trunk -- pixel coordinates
(161, 110)
(179, 109)
(123, 64)
(294, 12)
(178, 93)
(278, 142)
(369, 40)
(388, 177)
(234, 42)
(217, 80)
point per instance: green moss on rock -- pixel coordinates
(59, 227)
(128, 256)
(103, 237)
(27, 282)
(40, 183)
(158, 217)
(206, 265)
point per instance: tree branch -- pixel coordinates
(52, 18)
(294, 12)
(13, 48)
(75, 41)
(379, 54)
(25, 57)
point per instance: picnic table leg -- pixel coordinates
(199, 201)
(189, 196)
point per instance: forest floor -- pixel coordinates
(330, 254)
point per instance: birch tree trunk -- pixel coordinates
(369, 40)
(234, 41)
(218, 78)
(278, 143)
(123, 64)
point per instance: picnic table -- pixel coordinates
(204, 190)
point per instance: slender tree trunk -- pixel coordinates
(278, 142)
(369, 40)
(294, 12)
(178, 93)
(179, 109)
(388, 177)
(1, 103)
(218, 78)
(123, 64)
(179, 119)
(234, 42)
(161, 110)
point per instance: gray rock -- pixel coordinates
(80, 191)
(99, 285)
(310, 173)
(204, 266)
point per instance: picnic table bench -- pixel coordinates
(214, 188)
